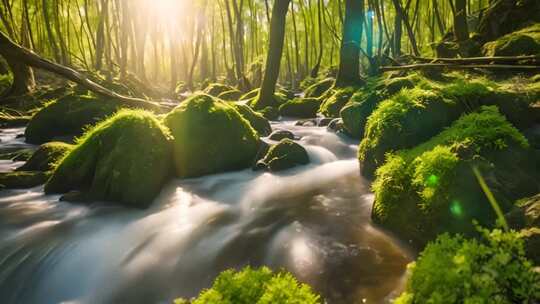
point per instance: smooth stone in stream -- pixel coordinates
(281, 134)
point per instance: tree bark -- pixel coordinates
(275, 50)
(461, 30)
(349, 61)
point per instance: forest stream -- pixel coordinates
(313, 220)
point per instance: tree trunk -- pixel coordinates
(349, 61)
(461, 30)
(14, 52)
(275, 50)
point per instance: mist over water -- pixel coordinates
(312, 220)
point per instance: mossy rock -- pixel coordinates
(251, 94)
(210, 136)
(285, 155)
(270, 113)
(431, 188)
(318, 89)
(256, 120)
(68, 116)
(300, 107)
(22, 179)
(215, 89)
(512, 45)
(46, 157)
(357, 111)
(16, 154)
(232, 95)
(331, 106)
(406, 119)
(124, 159)
(277, 100)
(281, 134)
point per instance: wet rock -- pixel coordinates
(306, 123)
(284, 155)
(270, 113)
(318, 89)
(300, 107)
(335, 125)
(281, 134)
(256, 120)
(323, 122)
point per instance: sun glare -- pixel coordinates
(166, 12)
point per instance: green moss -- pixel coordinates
(210, 136)
(125, 159)
(232, 95)
(68, 116)
(251, 94)
(284, 155)
(431, 189)
(215, 89)
(46, 157)
(259, 286)
(300, 107)
(22, 179)
(319, 88)
(277, 100)
(522, 42)
(331, 106)
(256, 120)
(406, 119)
(270, 113)
(453, 269)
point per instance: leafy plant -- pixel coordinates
(255, 286)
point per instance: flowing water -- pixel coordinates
(312, 220)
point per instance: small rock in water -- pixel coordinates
(325, 121)
(306, 123)
(281, 134)
(20, 135)
(335, 125)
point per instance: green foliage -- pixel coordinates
(319, 88)
(68, 116)
(300, 107)
(331, 106)
(210, 136)
(46, 157)
(453, 269)
(125, 158)
(284, 155)
(431, 188)
(256, 286)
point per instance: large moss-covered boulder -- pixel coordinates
(512, 45)
(318, 89)
(68, 116)
(331, 106)
(300, 107)
(256, 120)
(210, 136)
(404, 120)
(284, 155)
(125, 159)
(214, 89)
(46, 157)
(431, 188)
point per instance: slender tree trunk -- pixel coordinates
(461, 30)
(275, 50)
(316, 68)
(349, 61)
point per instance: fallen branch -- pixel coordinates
(460, 66)
(10, 49)
(480, 59)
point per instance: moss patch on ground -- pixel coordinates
(124, 159)
(431, 189)
(68, 116)
(210, 136)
